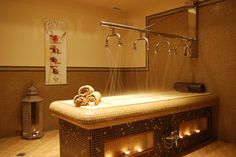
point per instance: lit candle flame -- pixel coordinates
(197, 131)
(127, 152)
(187, 133)
(108, 155)
(138, 149)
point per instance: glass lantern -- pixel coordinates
(32, 115)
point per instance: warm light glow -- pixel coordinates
(197, 131)
(129, 145)
(123, 100)
(127, 152)
(138, 149)
(108, 155)
(187, 133)
(194, 126)
(180, 136)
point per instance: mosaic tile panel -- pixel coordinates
(78, 142)
(74, 141)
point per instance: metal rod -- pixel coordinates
(127, 27)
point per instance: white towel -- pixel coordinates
(80, 100)
(94, 97)
(85, 90)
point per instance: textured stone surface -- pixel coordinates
(173, 102)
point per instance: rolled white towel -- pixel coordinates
(94, 97)
(85, 90)
(80, 100)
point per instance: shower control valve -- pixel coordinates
(171, 139)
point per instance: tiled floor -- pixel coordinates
(48, 146)
(215, 149)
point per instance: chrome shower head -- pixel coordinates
(171, 50)
(169, 45)
(106, 44)
(147, 42)
(141, 38)
(113, 35)
(156, 47)
(135, 45)
(120, 44)
(187, 48)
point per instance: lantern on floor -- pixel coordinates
(32, 115)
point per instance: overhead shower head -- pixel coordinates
(106, 44)
(187, 47)
(171, 49)
(141, 38)
(120, 44)
(113, 35)
(156, 47)
(135, 45)
(169, 45)
(190, 43)
(187, 50)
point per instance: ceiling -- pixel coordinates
(123, 5)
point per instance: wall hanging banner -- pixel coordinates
(55, 48)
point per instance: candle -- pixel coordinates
(197, 131)
(187, 133)
(127, 152)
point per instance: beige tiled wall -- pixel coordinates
(15, 84)
(217, 62)
(215, 67)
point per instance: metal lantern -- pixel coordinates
(32, 115)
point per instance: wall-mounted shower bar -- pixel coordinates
(142, 30)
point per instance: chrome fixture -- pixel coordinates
(113, 34)
(169, 140)
(147, 31)
(142, 30)
(171, 49)
(190, 47)
(141, 38)
(187, 48)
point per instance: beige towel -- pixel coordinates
(85, 90)
(94, 97)
(80, 100)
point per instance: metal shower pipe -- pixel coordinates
(127, 27)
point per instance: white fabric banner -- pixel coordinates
(55, 48)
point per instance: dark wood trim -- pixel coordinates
(21, 68)
(69, 69)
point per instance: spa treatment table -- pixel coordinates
(143, 125)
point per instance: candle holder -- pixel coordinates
(32, 115)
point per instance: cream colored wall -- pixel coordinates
(22, 32)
